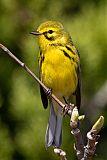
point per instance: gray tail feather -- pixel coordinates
(54, 129)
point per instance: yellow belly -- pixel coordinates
(58, 73)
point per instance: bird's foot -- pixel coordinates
(68, 109)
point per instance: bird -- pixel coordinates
(59, 70)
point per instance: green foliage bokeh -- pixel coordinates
(22, 118)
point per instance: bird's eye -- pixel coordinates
(50, 31)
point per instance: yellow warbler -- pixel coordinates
(59, 64)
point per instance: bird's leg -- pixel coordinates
(68, 107)
(65, 109)
(65, 100)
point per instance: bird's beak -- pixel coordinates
(35, 33)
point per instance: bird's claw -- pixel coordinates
(68, 109)
(65, 109)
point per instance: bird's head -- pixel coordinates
(51, 32)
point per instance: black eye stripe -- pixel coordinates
(51, 38)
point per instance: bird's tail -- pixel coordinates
(54, 128)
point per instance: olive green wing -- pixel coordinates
(42, 92)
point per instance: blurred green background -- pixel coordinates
(22, 118)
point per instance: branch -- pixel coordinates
(66, 107)
(74, 123)
(92, 137)
(85, 152)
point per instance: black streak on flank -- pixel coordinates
(66, 54)
(70, 49)
(40, 52)
(42, 58)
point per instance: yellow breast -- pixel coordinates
(58, 72)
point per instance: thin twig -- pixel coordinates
(92, 137)
(34, 76)
(79, 145)
(91, 146)
(74, 123)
